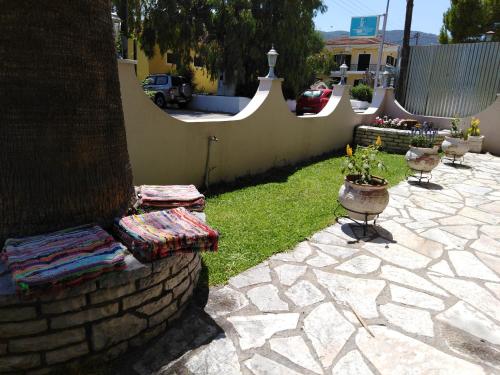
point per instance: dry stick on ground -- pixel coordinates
(361, 320)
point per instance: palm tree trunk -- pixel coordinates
(405, 52)
(63, 148)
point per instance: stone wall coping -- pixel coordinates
(99, 319)
(134, 270)
(396, 131)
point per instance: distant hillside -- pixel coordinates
(393, 36)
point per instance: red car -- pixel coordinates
(312, 101)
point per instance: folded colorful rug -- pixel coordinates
(61, 259)
(171, 196)
(161, 234)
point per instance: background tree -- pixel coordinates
(465, 19)
(288, 24)
(492, 18)
(322, 63)
(63, 148)
(177, 26)
(130, 13)
(443, 36)
(232, 36)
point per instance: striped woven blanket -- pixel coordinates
(161, 234)
(171, 196)
(60, 259)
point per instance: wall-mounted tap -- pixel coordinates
(208, 169)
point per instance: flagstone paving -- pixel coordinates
(426, 284)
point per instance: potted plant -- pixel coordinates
(423, 153)
(456, 144)
(363, 194)
(475, 137)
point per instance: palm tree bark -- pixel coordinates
(63, 148)
(405, 52)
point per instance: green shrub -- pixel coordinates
(362, 92)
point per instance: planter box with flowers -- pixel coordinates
(395, 133)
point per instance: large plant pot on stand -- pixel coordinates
(422, 160)
(364, 202)
(455, 148)
(476, 143)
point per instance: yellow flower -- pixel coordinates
(378, 142)
(475, 121)
(348, 150)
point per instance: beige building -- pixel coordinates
(361, 56)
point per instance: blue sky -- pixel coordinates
(427, 14)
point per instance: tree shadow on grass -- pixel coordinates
(273, 175)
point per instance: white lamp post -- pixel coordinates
(385, 78)
(343, 72)
(489, 35)
(272, 57)
(117, 25)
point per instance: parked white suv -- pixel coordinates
(168, 89)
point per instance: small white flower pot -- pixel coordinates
(455, 147)
(423, 159)
(476, 143)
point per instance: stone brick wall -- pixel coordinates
(393, 140)
(97, 320)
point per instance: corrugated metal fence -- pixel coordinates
(452, 80)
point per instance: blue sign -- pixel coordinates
(364, 26)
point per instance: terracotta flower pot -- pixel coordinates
(423, 159)
(476, 143)
(455, 146)
(363, 201)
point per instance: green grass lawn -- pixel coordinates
(276, 211)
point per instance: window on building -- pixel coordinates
(391, 61)
(363, 61)
(342, 58)
(357, 82)
(173, 58)
(198, 62)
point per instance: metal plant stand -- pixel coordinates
(455, 159)
(364, 224)
(418, 175)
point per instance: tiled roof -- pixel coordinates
(346, 41)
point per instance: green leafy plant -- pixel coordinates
(421, 141)
(151, 94)
(456, 132)
(361, 163)
(423, 136)
(362, 92)
(474, 128)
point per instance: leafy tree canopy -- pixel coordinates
(232, 36)
(322, 63)
(466, 20)
(443, 38)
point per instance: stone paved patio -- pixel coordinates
(427, 286)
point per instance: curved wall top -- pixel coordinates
(490, 120)
(165, 150)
